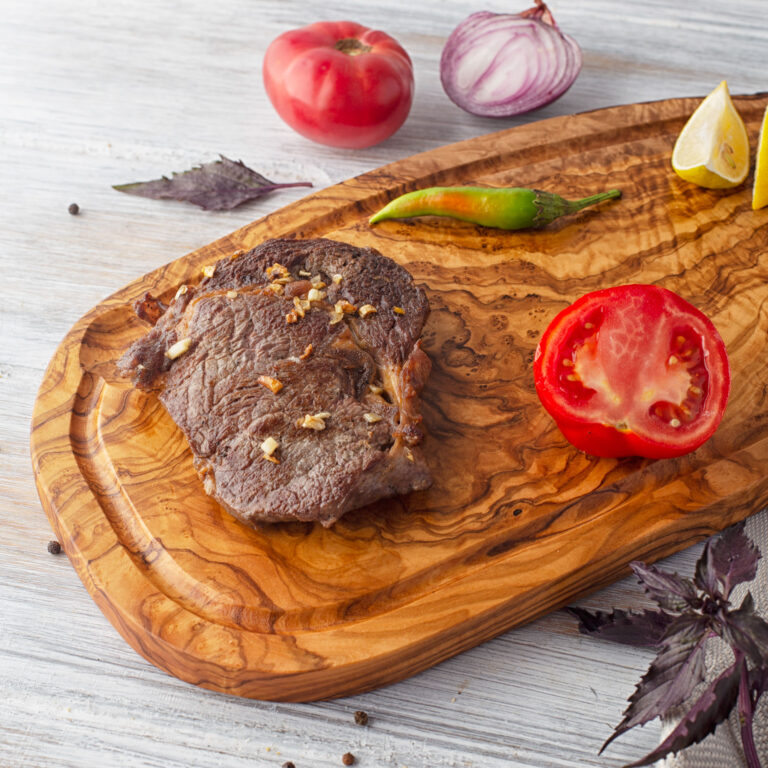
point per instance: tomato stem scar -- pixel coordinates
(352, 46)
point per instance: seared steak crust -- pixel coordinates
(250, 328)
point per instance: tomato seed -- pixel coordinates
(568, 363)
(674, 422)
(589, 326)
(672, 360)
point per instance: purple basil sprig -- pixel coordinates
(691, 611)
(216, 186)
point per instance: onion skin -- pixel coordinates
(499, 64)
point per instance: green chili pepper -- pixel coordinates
(504, 208)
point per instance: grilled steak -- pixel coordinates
(294, 372)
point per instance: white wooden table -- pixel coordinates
(93, 94)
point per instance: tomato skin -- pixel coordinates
(332, 97)
(633, 370)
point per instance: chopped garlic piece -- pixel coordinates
(237, 253)
(323, 415)
(372, 418)
(304, 273)
(337, 278)
(291, 317)
(276, 288)
(231, 294)
(182, 290)
(345, 307)
(315, 295)
(336, 317)
(270, 383)
(366, 309)
(277, 270)
(208, 270)
(178, 349)
(313, 422)
(398, 310)
(270, 458)
(300, 306)
(306, 353)
(269, 446)
(375, 389)
(317, 282)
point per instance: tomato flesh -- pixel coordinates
(633, 370)
(339, 83)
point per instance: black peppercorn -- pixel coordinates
(288, 764)
(361, 718)
(74, 209)
(348, 759)
(54, 547)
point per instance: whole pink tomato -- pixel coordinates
(339, 83)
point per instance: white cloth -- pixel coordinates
(723, 749)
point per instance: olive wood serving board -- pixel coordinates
(517, 523)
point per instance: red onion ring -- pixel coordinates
(499, 64)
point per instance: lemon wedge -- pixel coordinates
(760, 187)
(712, 150)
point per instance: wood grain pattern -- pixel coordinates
(517, 523)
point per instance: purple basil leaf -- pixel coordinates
(734, 558)
(216, 186)
(677, 669)
(705, 577)
(642, 628)
(711, 708)
(672, 592)
(758, 682)
(745, 630)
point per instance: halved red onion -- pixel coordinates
(501, 64)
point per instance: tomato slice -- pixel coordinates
(633, 370)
